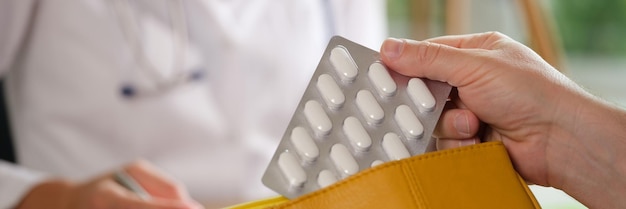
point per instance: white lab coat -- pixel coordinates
(63, 62)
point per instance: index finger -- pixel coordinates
(441, 62)
(487, 40)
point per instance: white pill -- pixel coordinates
(380, 77)
(369, 107)
(421, 96)
(357, 135)
(292, 171)
(317, 118)
(408, 122)
(377, 162)
(394, 147)
(330, 91)
(343, 160)
(304, 144)
(326, 178)
(343, 63)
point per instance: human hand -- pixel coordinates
(556, 133)
(104, 192)
(499, 81)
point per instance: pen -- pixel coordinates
(129, 183)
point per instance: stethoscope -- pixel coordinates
(180, 39)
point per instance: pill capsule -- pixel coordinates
(343, 160)
(421, 95)
(326, 178)
(377, 162)
(381, 79)
(304, 144)
(394, 147)
(291, 169)
(408, 122)
(317, 118)
(343, 63)
(357, 135)
(369, 107)
(330, 91)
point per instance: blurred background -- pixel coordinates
(582, 38)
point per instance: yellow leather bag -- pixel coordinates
(478, 176)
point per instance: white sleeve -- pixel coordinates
(14, 183)
(363, 21)
(15, 15)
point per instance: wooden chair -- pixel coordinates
(543, 37)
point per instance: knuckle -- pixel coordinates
(172, 187)
(495, 34)
(495, 39)
(428, 53)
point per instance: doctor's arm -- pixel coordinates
(15, 181)
(22, 188)
(14, 20)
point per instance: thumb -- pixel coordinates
(432, 60)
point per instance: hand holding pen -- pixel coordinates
(137, 185)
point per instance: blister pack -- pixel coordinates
(354, 114)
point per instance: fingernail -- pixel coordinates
(461, 124)
(392, 48)
(467, 142)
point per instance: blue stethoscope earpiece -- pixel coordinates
(127, 90)
(196, 75)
